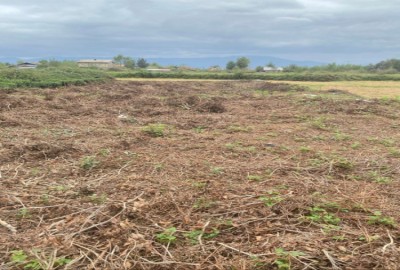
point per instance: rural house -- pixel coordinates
(272, 69)
(26, 65)
(105, 64)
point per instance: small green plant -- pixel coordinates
(203, 203)
(158, 167)
(319, 123)
(155, 130)
(217, 170)
(236, 128)
(199, 129)
(356, 145)
(305, 149)
(387, 142)
(254, 177)
(98, 199)
(167, 236)
(88, 162)
(343, 163)
(104, 152)
(193, 236)
(339, 136)
(20, 258)
(283, 260)
(378, 218)
(394, 152)
(320, 215)
(199, 184)
(23, 213)
(377, 178)
(271, 199)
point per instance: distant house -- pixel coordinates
(27, 65)
(272, 69)
(105, 64)
(158, 69)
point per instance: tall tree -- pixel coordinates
(242, 62)
(142, 63)
(230, 65)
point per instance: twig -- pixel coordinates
(389, 244)
(8, 226)
(101, 223)
(245, 253)
(201, 235)
(330, 258)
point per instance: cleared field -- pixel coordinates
(198, 175)
(368, 89)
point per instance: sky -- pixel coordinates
(342, 31)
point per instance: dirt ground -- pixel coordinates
(198, 175)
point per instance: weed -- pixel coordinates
(377, 178)
(236, 128)
(23, 213)
(387, 142)
(20, 258)
(319, 123)
(356, 145)
(378, 218)
(254, 177)
(167, 236)
(158, 167)
(104, 152)
(339, 238)
(320, 215)
(217, 170)
(193, 236)
(305, 149)
(203, 203)
(283, 260)
(88, 162)
(343, 163)
(394, 152)
(200, 184)
(199, 129)
(339, 136)
(272, 198)
(155, 130)
(98, 199)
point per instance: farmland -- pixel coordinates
(198, 175)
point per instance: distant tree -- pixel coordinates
(242, 62)
(128, 62)
(230, 65)
(43, 64)
(142, 63)
(119, 59)
(259, 69)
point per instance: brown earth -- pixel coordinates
(198, 175)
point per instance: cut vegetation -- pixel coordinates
(198, 175)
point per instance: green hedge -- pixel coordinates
(284, 76)
(49, 77)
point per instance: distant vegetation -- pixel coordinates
(49, 74)
(53, 73)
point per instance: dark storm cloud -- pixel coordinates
(329, 30)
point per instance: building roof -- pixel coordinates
(95, 61)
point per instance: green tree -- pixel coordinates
(271, 65)
(119, 59)
(242, 62)
(142, 63)
(128, 62)
(259, 69)
(230, 65)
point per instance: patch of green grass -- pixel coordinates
(88, 162)
(339, 136)
(203, 203)
(167, 236)
(319, 123)
(155, 130)
(98, 199)
(377, 178)
(20, 259)
(320, 215)
(254, 177)
(199, 129)
(356, 145)
(236, 128)
(394, 152)
(283, 260)
(271, 199)
(379, 219)
(193, 236)
(305, 149)
(217, 170)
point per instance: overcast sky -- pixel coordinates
(356, 31)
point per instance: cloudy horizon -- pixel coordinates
(341, 31)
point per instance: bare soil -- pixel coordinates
(198, 175)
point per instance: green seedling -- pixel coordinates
(193, 236)
(167, 236)
(271, 199)
(379, 219)
(320, 215)
(283, 260)
(155, 130)
(88, 162)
